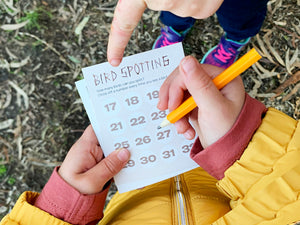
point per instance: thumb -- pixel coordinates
(199, 83)
(109, 166)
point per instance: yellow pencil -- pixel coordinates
(220, 81)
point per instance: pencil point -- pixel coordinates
(164, 123)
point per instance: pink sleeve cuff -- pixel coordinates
(63, 201)
(218, 157)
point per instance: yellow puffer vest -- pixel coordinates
(261, 188)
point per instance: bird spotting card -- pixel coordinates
(121, 105)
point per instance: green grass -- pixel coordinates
(34, 17)
(3, 170)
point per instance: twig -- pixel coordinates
(287, 31)
(293, 91)
(50, 47)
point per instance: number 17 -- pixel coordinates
(110, 107)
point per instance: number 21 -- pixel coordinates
(116, 126)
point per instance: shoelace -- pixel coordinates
(222, 55)
(165, 40)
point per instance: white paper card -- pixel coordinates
(121, 105)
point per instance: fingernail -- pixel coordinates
(189, 135)
(115, 62)
(188, 64)
(158, 104)
(123, 154)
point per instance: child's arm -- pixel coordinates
(223, 118)
(76, 191)
(257, 157)
(83, 175)
(263, 184)
(217, 110)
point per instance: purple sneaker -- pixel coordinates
(225, 53)
(169, 36)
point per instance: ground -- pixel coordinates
(41, 114)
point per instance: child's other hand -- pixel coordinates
(217, 110)
(86, 169)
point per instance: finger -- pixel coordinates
(199, 84)
(164, 90)
(108, 167)
(233, 91)
(91, 143)
(89, 136)
(237, 83)
(184, 127)
(126, 17)
(177, 91)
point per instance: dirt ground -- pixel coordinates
(41, 57)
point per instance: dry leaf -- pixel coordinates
(19, 64)
(292, 80)
(4, 64)
(11, 55)
(81, 25)
(294, 58)
(6, 123)
(265, 73)
(7, 100)
(14, 26)
(287, 62)
(294, 91)
(21, 92)
(280, 23)
(273, 51)
(9, 7)
(264, 50)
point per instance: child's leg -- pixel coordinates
(176, 22)
(175, 29)
(240, 20)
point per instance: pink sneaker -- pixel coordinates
(225, 53)
(169, 36)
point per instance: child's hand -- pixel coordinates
(217, 110)
(86, 169)
(129, 12)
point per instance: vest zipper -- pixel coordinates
(180, 200)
